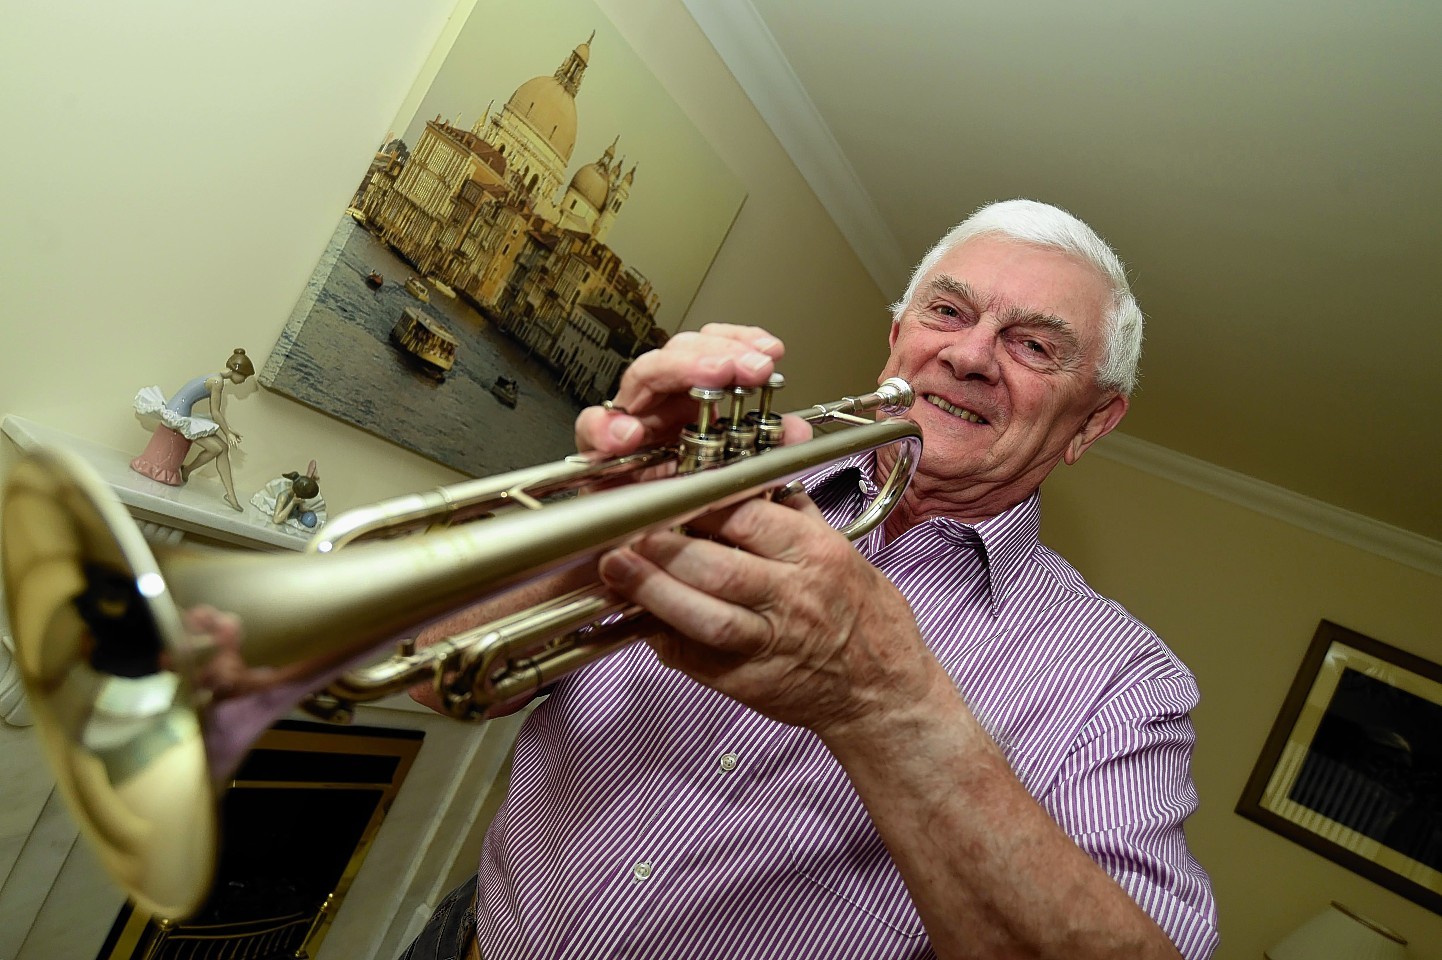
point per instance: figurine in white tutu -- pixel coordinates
(293, 500)
(180, 427)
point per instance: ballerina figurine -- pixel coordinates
(164, 457)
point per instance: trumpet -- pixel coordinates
(114, 680)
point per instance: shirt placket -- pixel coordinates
(641, 872)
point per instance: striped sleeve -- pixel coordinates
(1122, 794)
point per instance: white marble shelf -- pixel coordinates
(197, 507)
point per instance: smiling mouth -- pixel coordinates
(953, 409)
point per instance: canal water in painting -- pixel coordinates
(335, 354)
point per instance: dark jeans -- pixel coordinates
(450, 934)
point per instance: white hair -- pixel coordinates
(1044, 225)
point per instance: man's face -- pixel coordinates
(1001, 343)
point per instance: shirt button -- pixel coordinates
(642, 870)
(728, 762)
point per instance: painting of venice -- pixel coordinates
(492, 275)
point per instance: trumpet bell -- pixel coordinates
(105, 661)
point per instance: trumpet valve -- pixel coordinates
(740, 430)
(706, 418)
(703, 443)
(767, 422)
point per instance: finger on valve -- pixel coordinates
(653, 402)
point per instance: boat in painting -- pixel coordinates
(506, 391)
(425, 343)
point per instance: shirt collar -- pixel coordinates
(1005, 542)
(1009, 539)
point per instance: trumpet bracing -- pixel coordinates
(115, 684)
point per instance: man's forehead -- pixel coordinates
(1001, 275)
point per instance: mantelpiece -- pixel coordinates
(166, 514)
(54, 899)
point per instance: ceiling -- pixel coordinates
(1270, 171)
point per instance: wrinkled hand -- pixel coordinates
(217, 636)
(652, 405)
(795, 623)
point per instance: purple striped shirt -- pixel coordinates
(650, 817)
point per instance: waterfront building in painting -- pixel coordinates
(488, 211)
(590, 351)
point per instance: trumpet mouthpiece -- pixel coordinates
(896, 396)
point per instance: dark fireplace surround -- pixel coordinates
(296, 824)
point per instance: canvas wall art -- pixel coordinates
(546, 215)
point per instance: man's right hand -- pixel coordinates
(652, 405)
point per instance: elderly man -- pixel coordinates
(939, 742)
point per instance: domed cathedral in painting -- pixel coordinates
(596, 194)
(487, 210)
(536, 129)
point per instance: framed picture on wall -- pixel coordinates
(539, 213)
(1352, 769)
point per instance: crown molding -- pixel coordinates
(1353, 529)
(752, 55)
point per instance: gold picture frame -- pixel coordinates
(1352, 769)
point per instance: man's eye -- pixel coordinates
(947, 310)
(1035, 346)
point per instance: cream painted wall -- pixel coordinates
(177, 168)
(1238, 596)
(175, 174)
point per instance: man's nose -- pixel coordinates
(971, 353)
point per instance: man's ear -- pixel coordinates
(1098, 424)
(891, 336)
